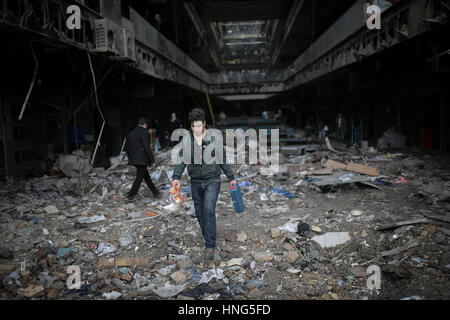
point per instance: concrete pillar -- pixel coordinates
(7, 134)
(444, 122)
(398, 111)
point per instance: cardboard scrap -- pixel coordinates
(354, 167)
(31, 291)
(359, 168)
(335, 165)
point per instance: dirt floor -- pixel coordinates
(152, 250)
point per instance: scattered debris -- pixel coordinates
(391, 139)
(154, 247)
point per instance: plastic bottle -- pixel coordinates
(236, 196)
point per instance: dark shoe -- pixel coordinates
(209, 255)
(130, 199)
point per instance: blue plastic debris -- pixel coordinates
(283, 192)
(381, 182)
(124, 270)
(64, 251)
(245, 184)
(186, 190)
(84, 290)
(196, 275)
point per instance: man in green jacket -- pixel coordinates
(205, 180)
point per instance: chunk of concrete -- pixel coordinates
(263, 256)
(332, 239)
(275, 232)
(180, 276)
(72, 165)
(291, 257)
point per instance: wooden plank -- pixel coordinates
(392, 252)
(438, 218)
(354, 167)
(359, 168)
(399, 224)
(335, 165)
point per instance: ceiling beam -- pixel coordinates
(296, 8)
(190, 8)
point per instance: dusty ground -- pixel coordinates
(281, 265)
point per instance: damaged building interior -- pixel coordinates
(364, 169)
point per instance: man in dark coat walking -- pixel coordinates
(140, 156)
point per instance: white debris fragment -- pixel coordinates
(332, 239)
(113, 295)
(171, 207)
(105, 248)
(357, 213)
(413, 298)
(290, 226)
(92, 219)
(235, 262)
(169, 290)
(212, 274)
(51, 209)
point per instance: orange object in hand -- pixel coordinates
(177, 196)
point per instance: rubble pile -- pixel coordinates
(309, 231)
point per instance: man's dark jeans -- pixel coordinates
(205, 197)
(142, 174)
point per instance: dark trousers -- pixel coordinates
(142, 174)
(341, 135)
(205, 197)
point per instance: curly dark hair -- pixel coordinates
(196, 115)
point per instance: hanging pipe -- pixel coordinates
(36, 68)
(98, 107)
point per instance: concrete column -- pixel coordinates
(7, 134)
(398, 111)
(444, 122)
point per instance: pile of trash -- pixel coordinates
(391, 140)
(75, 164)
(309, 231)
